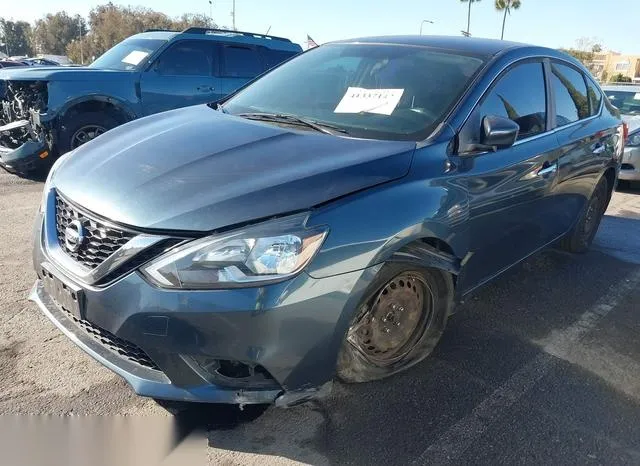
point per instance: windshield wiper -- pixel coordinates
(325, 128)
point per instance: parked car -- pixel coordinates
(48, 111)
(10, 64)
(324, 219)
(627, 99)
(39, 62)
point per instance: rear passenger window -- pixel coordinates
(570, 93)
(595, 97)
(241, 62)
(508, 99)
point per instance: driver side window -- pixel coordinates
(520, 96)
(186, 58)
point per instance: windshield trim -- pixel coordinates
(420, 136)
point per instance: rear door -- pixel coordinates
(511, 191)
(240, 63)
(586, 140)
(182, 75)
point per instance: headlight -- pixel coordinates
(633, 140)
(47, 183)
(253, 256)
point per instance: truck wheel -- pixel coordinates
(579, 239)
(80, 128)
(398, 324)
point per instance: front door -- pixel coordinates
(511, 191)
(182, 75)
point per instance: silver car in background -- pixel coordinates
(626, 97)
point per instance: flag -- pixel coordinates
(310, 42)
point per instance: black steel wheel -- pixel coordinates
(398, 324)
(579, 239)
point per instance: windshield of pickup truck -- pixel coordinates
(128, 55)
(376, 91)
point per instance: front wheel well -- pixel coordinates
(100, 106)
(431, 252)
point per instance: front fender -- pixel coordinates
(63, 95)
(370, 227)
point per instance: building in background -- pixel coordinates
(606, 66)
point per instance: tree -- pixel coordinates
(53, 33)
(16, 37)
(506, 6)
(620, 78)
(469, 13)
(110, 24)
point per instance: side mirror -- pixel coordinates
(498, 132)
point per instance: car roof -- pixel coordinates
(473, 45)
(271, 42)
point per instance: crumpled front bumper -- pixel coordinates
(27, 157)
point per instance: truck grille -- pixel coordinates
(100, 242)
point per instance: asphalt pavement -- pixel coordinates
(541, 366)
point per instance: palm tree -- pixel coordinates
(506, 6)
(469, 14)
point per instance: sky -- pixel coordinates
(551, 23)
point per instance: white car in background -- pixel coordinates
(626, 97)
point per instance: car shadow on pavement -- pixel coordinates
(490, 338)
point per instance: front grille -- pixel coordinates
(100, 242)
(121, 347)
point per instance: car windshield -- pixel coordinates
(628, 102)
(130, 54)
(371, 91)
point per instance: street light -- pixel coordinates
(422, 24)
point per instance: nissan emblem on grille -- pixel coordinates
(86, 239)
(74, 235)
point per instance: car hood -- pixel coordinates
(58, 73)
(197, 169)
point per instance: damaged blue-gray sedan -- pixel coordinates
(323, 220)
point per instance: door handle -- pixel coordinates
(205, 88)
(548, 168)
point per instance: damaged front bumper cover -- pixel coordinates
(155, 384)
(29, 155)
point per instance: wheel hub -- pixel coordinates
(86, 134)
(395, 320)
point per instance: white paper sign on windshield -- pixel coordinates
(135, 57)
(360, 100)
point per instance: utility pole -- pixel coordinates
(80, 39)
(233, 15)
(210, 11)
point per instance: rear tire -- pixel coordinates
(579, 239)
(398, 324)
